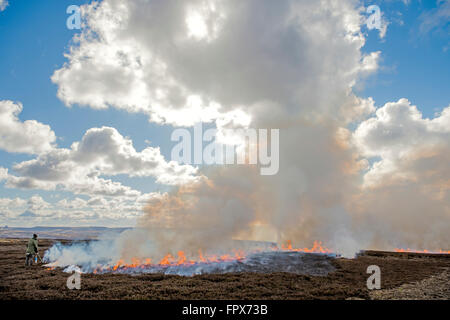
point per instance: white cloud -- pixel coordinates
(402, 138)
(406, 191)
(144, 57)
(22, 137)
(105, 150)
(12, 203)
(370, 62)
(80, 169)
(73, 211)
(101, 152)
(10, 208)
(36, 203)
(3, 174)
(76, 203)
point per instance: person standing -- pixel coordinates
(32, 250)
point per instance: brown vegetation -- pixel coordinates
(348, 281)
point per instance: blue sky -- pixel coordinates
(40, 37)
(414, 64)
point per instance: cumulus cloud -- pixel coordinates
(76, 203)
(3, 174)
(22, 137)
(12, 203)
(397, 135)
(181, 63)
(18, 208)
(406, 190)
(105, 150)
(37, 203)
(81, 169)
(101, 152)
(73, 211)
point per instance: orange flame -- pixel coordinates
(167, 260)
(317, 248)
(170, 260)
(200, 256)
(181, 257)
(119, 263)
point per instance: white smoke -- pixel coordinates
(86, 254)
(288, 65)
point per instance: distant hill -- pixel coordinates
(69, 233)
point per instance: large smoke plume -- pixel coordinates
(289, 65)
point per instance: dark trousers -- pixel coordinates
(29, 259)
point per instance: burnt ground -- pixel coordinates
(403, 276)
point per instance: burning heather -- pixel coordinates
(104, 256)
(252, 257)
